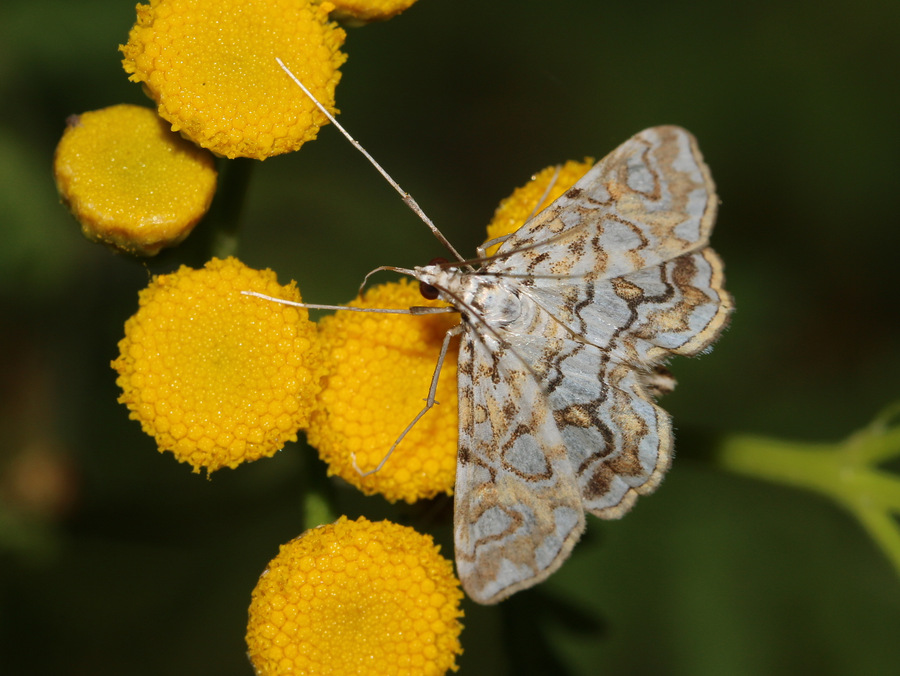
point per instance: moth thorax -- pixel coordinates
(497, 303)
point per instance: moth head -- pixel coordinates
(427, 274)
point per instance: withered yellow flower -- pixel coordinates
(379, 372)
(523, 203)
(216, 377)
(361, 12)
(356, 597)
(210, 66)
(129, 181)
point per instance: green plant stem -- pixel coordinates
(845, 472)
(225, 217)
(317, 509)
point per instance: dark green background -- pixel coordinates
(148, 568)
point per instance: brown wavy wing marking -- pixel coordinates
(649, 201)
(636, 456)
(517, 507)
(618, 441)
(679, 307)
(697, 314)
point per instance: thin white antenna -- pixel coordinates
(415, 310)
(407, 198)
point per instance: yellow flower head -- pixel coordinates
(131, 182)
(356, 597)
(379, 372)
(361, 12)
(210, 66)
(515, 209)
(217, 377)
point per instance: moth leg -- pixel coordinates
(429, 402)
(499, 240)
(480, 250)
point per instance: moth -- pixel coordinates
(564, 334)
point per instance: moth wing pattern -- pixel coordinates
(650, 200)
(517, 509)
(556, 408)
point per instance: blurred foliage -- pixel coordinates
(114, 559)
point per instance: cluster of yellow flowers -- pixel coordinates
(219, 377)
(210, 68)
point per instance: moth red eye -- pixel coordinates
(427, 290)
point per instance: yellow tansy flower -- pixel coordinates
(515, 209)
(210, 66)
(356, 597)
(217, 377)
(360, 12)
(379, 373)
(131, 182)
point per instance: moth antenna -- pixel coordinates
(382, 268)
(405, 196)
(415, 310)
